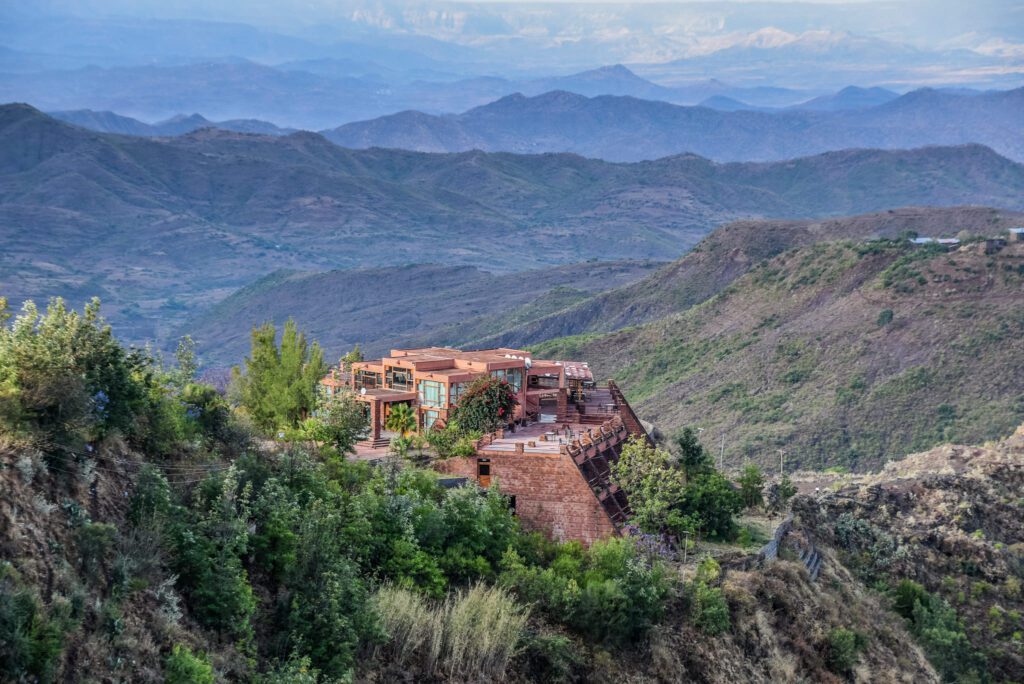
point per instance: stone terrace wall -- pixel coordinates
(551, 495)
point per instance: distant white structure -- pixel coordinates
(1017, 234)
(949, 242)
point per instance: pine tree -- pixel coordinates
(279, 386)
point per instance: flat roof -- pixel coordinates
(386, 395)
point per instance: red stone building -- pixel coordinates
(553, 457)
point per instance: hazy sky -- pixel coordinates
(917, 21)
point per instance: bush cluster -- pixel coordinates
(609, 592)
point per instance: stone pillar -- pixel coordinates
(563, 404)
(375, 411)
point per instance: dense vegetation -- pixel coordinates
(290, 558)
(186, 543)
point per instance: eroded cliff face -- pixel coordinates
(950, 519)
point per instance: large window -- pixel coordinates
(514, 376)
(457, 388)
(398, 378)
(429, 418)
(433, 393)
(367, 379)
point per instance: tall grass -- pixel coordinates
(471, 635)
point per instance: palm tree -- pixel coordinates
(401, 419)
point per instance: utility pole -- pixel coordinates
(782, 466)
(686, 544)
(721, 455)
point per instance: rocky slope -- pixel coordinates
(950, 519)
(720, 258)
(839, 353)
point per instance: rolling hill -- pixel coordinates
(723, 256)
(630, 129)
(840, 353)
(110, 122)
(343, 308)
(160, 228)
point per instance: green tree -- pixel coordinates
(655, 484)
(188, 362)
(693, 458)
(354, 356)
(64, 376)
(401, 419)
(751, 483)
(664, 498)
(485, 405)
(843, 649)
(339, 422)
(786, 489)
(711, 504)
(279, 386)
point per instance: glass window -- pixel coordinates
(367, 379)
(429, 418)
(457, 388)
(514, 377)
(432, 393)
(399, 378)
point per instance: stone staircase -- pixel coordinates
(812, 560)
(593, 456)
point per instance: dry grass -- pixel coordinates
(473, 634)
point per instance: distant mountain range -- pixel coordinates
(629, 129)
(160, 227)
(818, 46)
(327, 93)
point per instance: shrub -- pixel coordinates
(884, 318)
(906, 596)
(608, 593)
(549, 657)
(31, 641)
(710, 609)
(94, 540)
(184, 667)
(843, 649)
(296, 670)
(941, 635)
(151, 500)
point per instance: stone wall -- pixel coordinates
(551, 495)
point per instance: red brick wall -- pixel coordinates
(551, 495)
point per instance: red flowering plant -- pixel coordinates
(486, 404)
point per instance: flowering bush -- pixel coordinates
(486, 405)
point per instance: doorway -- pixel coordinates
(483, 472)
